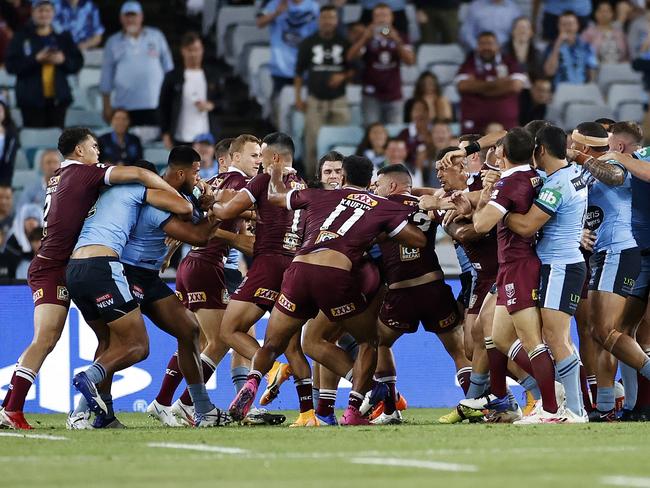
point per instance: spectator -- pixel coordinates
(16, 13)
(534, 102)
(521, 47)
(135, 62)
(396, 153)
(438, 21)
(41, 59)
(417, 135)
(568, 58)
(554, 9)
(81, 19)
(427, 89)
(495, 16)
(18, 246)
(188, 96)
(35, 192)
(204, 145)
(222, 155)
(321, 59)
(35, 238)
(626, 12)
(638, 33)
(489, 85)
(373, 144)
(605, 36)
(383, 51)
(6, 211)
(8, 144)
(290, 22)
(398, 7)
(119, 146)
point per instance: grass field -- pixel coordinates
(418, 453)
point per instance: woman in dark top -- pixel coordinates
(521, 47)
(8, 144)
(427, 89)
(119, 146)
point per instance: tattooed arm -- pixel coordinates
(604, 171)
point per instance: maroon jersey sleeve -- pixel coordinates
(297, 199)
(258, 187)
(505, 195)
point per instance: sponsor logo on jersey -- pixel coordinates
(62, 294)
(363, 198)
(472, 300)
(291, 241)
(37, 295)
(510, 290)
(534, 294)
(477, 266)
(196, 297)
(536, 181)
(325, 235)
(343, 310)
(574, 298)
(52, 184)
(594, 217)
(137, 292)
(297, 185)
(266, 294)
(494, 194)
(408, 253)
(92, 211)
(104, 300)
(225, 296)
(179, 295)
(578, 183)
(550, 197)
(285, 303)
(448, 321)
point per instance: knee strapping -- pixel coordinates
(611, 340)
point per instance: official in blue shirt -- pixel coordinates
(81, 19)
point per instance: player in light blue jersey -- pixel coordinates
(558, 213)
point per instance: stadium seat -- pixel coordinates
(580, 112)
(93, 99)
(93, 58)
(429, 54)
(409, 74)
(620, 93)
(355, 114)
(231, 15)
(17, 117)
(286, 99)
(297, 131)
(353, 94)
(444, 72)
(586, 94)
(87, 118)
(262, 88)
(257, 56)
(407, 91)
(330, 136)
(156, 155)
(616, 73)
(238, 36)
(23, 177)
(210, 8)
(21, 160)
(39, 137)
(7, 80)
(346, 150)
(351, 13)
(630, 111)
(394, 129)
(413, 26)
(89, 77)
(451, 92)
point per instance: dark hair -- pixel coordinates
(358, 170)
(594, 129)
(184, 156)
(8, 122)
(566, 13)
(532, 61)
(518, 146)
(329, 156)
(365, 142)
(281, 141)
(394, 168)
(72, 137)
(222, 147)
(418, 92)
(190, 38)
(120, 109)
(328, 8)
(395, 139)
(486, 33)
(36, 234)
(534, 126)
(630, 128)
(469, 137)
(144, 164)
(5, 186)
(381, 5)
(553, 139)
(604, 121)
(441, 153)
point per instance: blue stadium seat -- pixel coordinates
(86, 118)
(22, 162)
(156, 155)
(577, 113)
(429, 54)
(330, 136)
(630, 111)
(23, 177)
(40, 138)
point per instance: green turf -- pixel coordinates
(503, 455)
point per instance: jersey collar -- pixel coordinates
(519, 167)
(69, 162)
(233, 169)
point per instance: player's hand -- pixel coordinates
(336, 79)
(167, 141)
(207, 198)
(170, 241)
(461, 203)
(449, 217)
(588, 239)
(301, 105)
(448, 159)
(204, 105)
(435, 202)
(490, 177)
(616, 156)
(224, 195)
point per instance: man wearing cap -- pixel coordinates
(135, 62)
(188, 96)
(204, 145)
(41, 59)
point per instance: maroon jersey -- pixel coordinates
(70, 195)
(404, 263)
(515, 192)
(381, 73)
(277, 230)
(346, 220)
(217, 249)
(483, 252)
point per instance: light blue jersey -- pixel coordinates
(564, 198)
(463, 261)
(111, 220)
(641, 204)
(232, 262)
(146, 247)
(610, 213)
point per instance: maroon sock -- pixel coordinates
(355, 399)
(462, 376)
(170, 382)
(498, 366)
(584, 388)
(326, 401)
(643, 393)
(20, 385)
(304, 389)
(9, 390)
(389, 379)
(208, 371)
(544, 374)
(519, 356)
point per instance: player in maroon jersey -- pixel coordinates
(340, 226)
(70, 194)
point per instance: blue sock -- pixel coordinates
(645, 369)
(96, 373)
(82, 406)
(477, 384)
(200, 398)
(315, 395)
(529, 384)
(605, 399)
(108, 400)
(239, 375)
(513, 402)
(569, 372)
(630, 383)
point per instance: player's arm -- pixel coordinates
(462, 232)
(486, 218)
(233, 208)
(604, 171)
(193, 234)
(488, 140)
(171, 202)
(277, 189)
(241, 242)
(636, 167)
(526, 225)
(409, 235)
(131, 174)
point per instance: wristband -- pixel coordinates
(472, 147)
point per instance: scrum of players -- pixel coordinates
(547, 226)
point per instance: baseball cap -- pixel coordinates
(131, 7)
(38, 3)
(205, 138)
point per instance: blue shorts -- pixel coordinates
(615, 271)
(641, 286)
(560, 286)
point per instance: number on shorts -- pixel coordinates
(356, 215)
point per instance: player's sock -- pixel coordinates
(605, 400)
(255, 376)
(303, 387)
(390, 380)
(593, 386)
(9, 390)
(544, 374)
(315, 394)
(529, 384)
(569, 371)
(239, 374)
(170, 382)
(643, 394)
(200, 398)
(355, 399)
(326, 403)
(208, 370)
(463, 376)
(498, 366)
(82, 406)
(23, 380)
(630, 384)
(478, 383)
(96, 373)
(108, 400)
(645, 369)
(518, 355)
(584, 388)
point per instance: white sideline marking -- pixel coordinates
(414, 463)
(199, 447)
(628, 481)
(34, 436)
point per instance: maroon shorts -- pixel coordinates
(263, 282)
(433, 304)
(308, 288)
(480, 290)
(518, 284)
(46, 278)
(369, 279)
(201, 284)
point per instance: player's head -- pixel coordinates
(487, 46)
(518, 147)
(451, 177)
(625, 137)
(590, 138)
(277, 146)
(183, 167)
(393, 180)
(534, 126)
(420, 112)
(550, 144)
(605, 122)
(475, 161)
(328, 20)
(79, 144)
(245, 154)
(330, 170)
(382, 15)
(357, 171)
(222, 154)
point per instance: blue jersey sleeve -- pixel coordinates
(157, 218)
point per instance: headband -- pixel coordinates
(590, 141)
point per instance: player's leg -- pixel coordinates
(588, 349)
(318, 344)
(632, 316)
(329, 384)
(237, 320)
(453, 343)
(240, 366)
(386, 374)
(303, 382)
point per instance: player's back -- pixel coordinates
(641, 204)
(146, 245)
(111, 220)
(482, 253)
